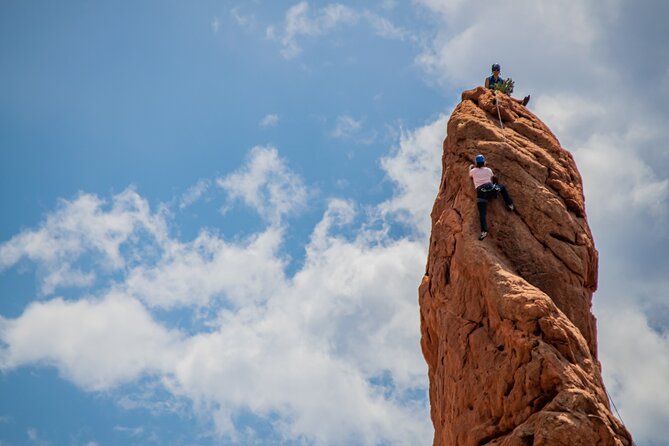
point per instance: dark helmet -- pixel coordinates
(480, 159)
(495, 67)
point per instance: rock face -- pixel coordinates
(507, 328)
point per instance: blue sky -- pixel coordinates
(215, 214)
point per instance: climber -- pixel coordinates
(487, 189)
(495, 79)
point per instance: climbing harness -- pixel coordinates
(488, 187)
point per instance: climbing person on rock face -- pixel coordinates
(495, 79)
(487, 189)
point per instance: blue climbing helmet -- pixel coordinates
(495, 67)
(479, 160)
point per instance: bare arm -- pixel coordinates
(487, 82)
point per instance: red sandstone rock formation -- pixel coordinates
(506, 324)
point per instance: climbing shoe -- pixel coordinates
(483, 235)
(526, 99)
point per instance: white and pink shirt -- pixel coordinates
(481, 175)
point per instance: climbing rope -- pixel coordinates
(617, 413)
(499, 116)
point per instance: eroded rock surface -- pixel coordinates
(507, 328)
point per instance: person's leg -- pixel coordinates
(482, 205)
(523, 101)
(505, 195)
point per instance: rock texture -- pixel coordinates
(507, 328)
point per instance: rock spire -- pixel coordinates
(507, 328)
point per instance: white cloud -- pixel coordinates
(383, 27)
(569, 116)
(352, 129)
(346, 127)
(464, 26)
(267, 185)
(609, 165)
(300, 23)
(208, 268)
(365, 300)
(415, 168)
(64, 275)
(638, 372)
(608, 152)
(344, 319)
(270, 120)
(78, 227)
(194, 193)
(330, 355)
(97, 343)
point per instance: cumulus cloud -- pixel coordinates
(346, 318)
(84, 225)
(641, 359)
(415, 168)
(267, 185)
(638, 190)
(97, 343)
(465, 26)
(329, 354)
(608, 151)
(207, 268)
(300, 23)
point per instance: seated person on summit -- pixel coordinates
(491, 81)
